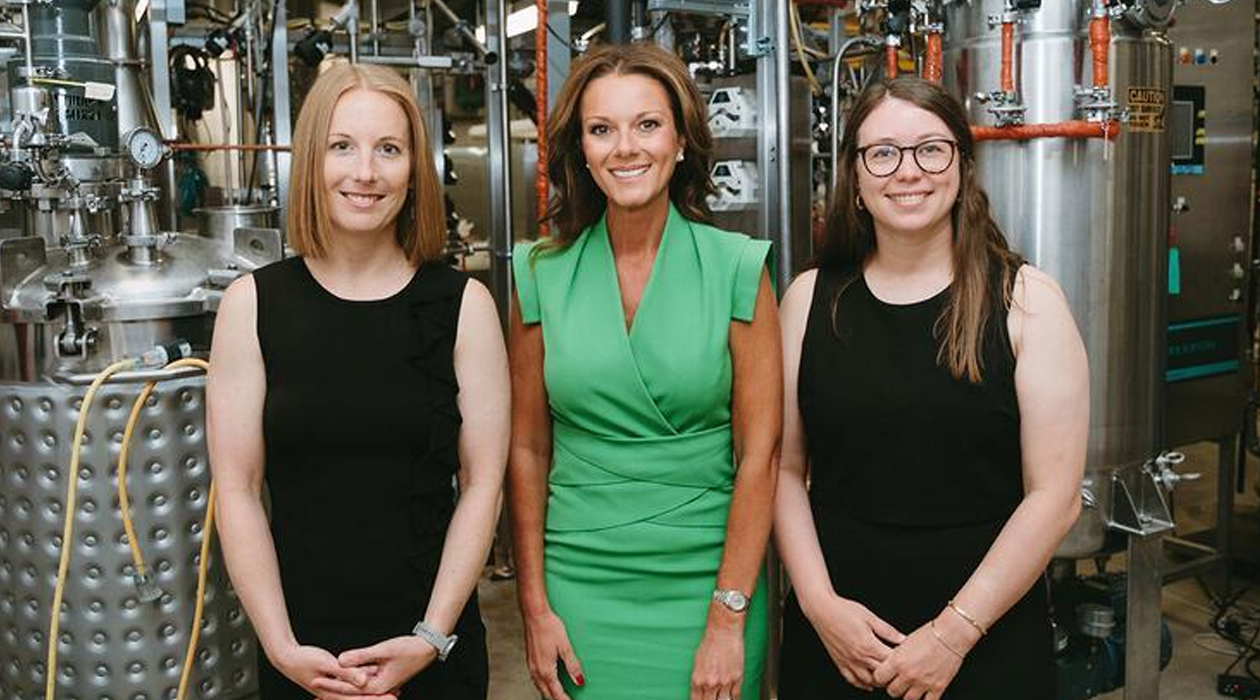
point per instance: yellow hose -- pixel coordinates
(137, 555)
(67, 534)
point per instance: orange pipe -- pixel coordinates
(890, 61)
(540, 102)
(225, 147)
(1008, 57)
(933, 67)
(1099, 40)
(1064, 130)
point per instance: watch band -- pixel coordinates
(441, 642)
(734, 600)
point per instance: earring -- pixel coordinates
(858, 202)
(680, 157)
(588, 165)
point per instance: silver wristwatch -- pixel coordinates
(734, 600)
(443, 643)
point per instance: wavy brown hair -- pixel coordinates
(578, 202)
(980, 250)
(421, 220)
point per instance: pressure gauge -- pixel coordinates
(144, 147)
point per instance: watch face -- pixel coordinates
(738, 601)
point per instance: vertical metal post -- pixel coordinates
(782, 233)
(160, 85)
(617, 15)
(1142, 618)
(499, 160)
(1227, 460)
(769, 31)
(280, 106)
(558, 35)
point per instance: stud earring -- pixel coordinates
(680, 157)
(859, 203)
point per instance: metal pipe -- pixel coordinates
(352, 32)
(783, 90)
(247, 147)
(374, 16)
(438, 62)
(617, 17)
(541, 186)
(466, 31)
(1067, 130)
(499, 162)
(837, 124)
(26, 44)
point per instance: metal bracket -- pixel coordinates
(1139, 496)
(258, 246)
(19, 258)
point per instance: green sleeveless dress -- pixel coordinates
(642, 464)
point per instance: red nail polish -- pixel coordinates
(580, 680)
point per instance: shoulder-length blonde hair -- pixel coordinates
(421, 223)
(980, 250)
(578, 201)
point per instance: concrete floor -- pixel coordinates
(1198, 655)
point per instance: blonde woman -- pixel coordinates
(356, 382)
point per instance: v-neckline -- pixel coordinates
(628, 330)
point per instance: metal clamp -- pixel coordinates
(1139, 495)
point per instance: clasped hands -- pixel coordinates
(371, 673)
(870, 653)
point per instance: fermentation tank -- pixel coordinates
(1092, 213)
(92, 279)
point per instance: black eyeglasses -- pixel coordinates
(933, 157)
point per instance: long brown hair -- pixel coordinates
(980, 250)
(422, 220)
(578, 201)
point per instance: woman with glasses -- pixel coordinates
(936, 399)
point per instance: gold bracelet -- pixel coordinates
(970, 620)
(944, 643)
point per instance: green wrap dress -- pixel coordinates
(642, 464)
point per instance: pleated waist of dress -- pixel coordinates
(600, 482)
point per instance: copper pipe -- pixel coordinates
(890, 61)
(540, 104)
(1008, 57)
(933, 64)
(225, 147)
(1099, 41)
(1061, 130)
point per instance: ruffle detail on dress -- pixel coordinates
(434, 310)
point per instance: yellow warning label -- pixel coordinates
(1146, 107)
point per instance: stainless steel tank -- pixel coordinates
(70, 306)
(1094, 216)
(112, 646)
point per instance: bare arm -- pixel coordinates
(235, 390)
(856, 639)
(546, 641)
(1052, 386)
(756, 405)
(530, 463)
(481, 368)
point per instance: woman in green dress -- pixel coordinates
(646, 403)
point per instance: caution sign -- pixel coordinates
(1146, 107)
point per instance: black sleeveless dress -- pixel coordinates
(912, 476)
(361, 429)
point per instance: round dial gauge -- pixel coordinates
(145, 147)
